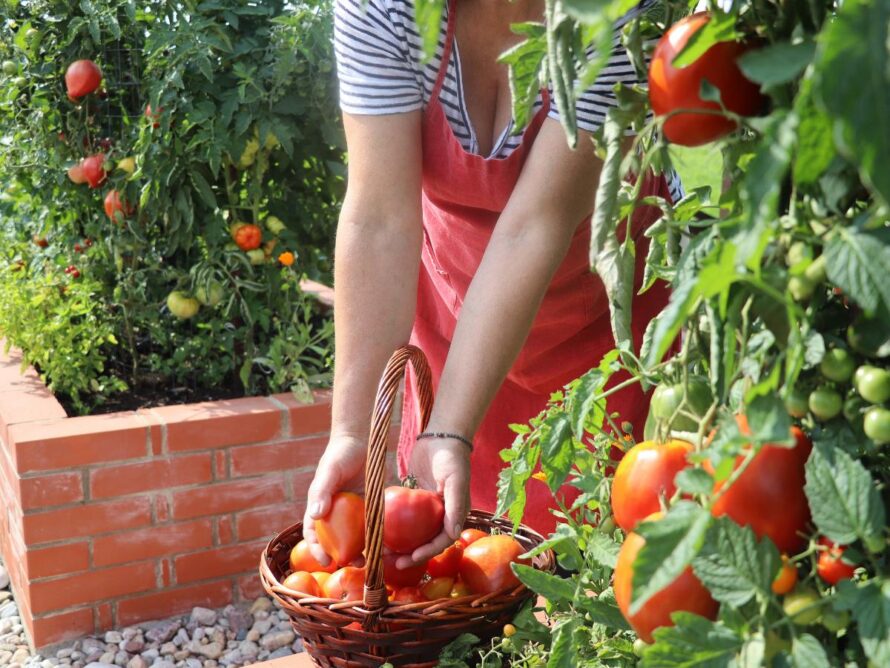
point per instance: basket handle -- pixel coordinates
(375, 473)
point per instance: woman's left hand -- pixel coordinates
(442, 465)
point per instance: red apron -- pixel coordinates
(463, 197)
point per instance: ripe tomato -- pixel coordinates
(153, 116)
(395, 577)
(94, 170)
(411, 518)
(81, 78)
(341, 533)
(438, 588)
(768, 496)
(831, 566)
(685, 593)
(302, 582)
(321, 577)
(248, 237)
(40, 241)
(76, 174)
(873, 384)
(470, 536)
(485, 564)
(644, 474)
(825, 403)
(301, 559)
(672, 88)
(877, 424)
(786, 578)
(407, 595)
(116, 208)
(446, 564)
(346, 584)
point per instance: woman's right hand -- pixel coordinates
(341, 468)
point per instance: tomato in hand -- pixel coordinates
(469, 536)
(301, 559)
(446, 564)
(248, 237)
(405, 577)
(82, 78)
(438, 588)
(485, 564)
(341, 533)
(768, 496)
(302, 582)
(645, 474)
(786, 578)
(686, 593)
(411, 518)
(348, 584)
(672, 88)
(831, 566)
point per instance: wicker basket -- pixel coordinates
(353, 634)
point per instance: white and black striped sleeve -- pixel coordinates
(375, 70)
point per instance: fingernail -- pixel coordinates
(456, 531)
(315, 511)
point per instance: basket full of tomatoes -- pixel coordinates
(351, 616)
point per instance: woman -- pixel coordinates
(467, 239)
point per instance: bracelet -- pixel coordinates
(443, 434)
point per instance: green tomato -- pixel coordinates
(803, 605)
(19, 82)
(837, 365)
(212, 297)
(815, 273)
(835, 620)
(873, 384)
(798, 252)
(801, 288)
(877, 424)
(640, 647)
(796, 403)
(181, 305)
(9, 67)
(667, 398)
(825, 403)
(507, 645)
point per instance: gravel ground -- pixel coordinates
(228, 637)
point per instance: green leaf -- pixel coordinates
(428, 15)
(720, 28)
(694, 481)
(551, 587)
(807, 652)
(769, 421)
(557, 449)
(203, 188)
(734, 565)
(602, 610)
(859, 263)
(693, 642)
(843, 498)
(777, 63)
(564, 652)
(870, 604)
(586, 393)
(454, 653)
(525, 61)
(856, 40)
(671, 544)
(815, 146)
(671, 319)
(603, 549)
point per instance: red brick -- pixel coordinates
(265, 522)
(166, 578)
(218, 562)
(227, 497)
(162, 507)
(221, 465)
(58, 559)
(224, 530)
(157, 541)
(23, 407)
(104, 617)
(173, 602)
(155, 431)
(299, 482)
(80, 441)
(86, 520)
(250, 587)
(51, 490)
(219, 424)
(305, 419)
(64, 626)
(95, 585)
(150, 475)
(254, 459)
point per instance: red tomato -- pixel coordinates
(831, 566)
(469, 536)
(347, 584)
(645, 474)
(672, 88)
(153, 116)
(446, 564)
(786, 578)
(93, 170)
(76, 174)
(407, 595)
(81, 78)
(115, 207)
(341, 533)
(395, 577)
(485, 564)
(40, 241)
(248, 237)
(438, 588)
(768, 496)
(321, 577)
(301, 559)
(302, 582)
(411, 518)
(685, 593)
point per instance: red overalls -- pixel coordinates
(463, 197)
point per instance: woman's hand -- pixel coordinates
(341, 468)
(442, 465)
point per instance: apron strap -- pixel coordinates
(446, 52)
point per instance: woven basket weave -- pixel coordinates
(369, 632)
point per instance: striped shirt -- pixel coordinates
(379, 63)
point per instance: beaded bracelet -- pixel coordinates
(442, 434)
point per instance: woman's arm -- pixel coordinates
(376, 265)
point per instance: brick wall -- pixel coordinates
(109, 520)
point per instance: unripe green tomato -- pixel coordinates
(212, 297)
(19, 82)
(803, 605)
(640, 646)
(835, 620)
(815, 273)
(9, 67)
(837, 365)
(182, 305)
(859, 374)
(607, 525)
(257, 256)
(877, 424)
(798, 252)
(801, 288)
(507, 645)
(796, 403)
(873, 384)
(31, 33)
(825, 403)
